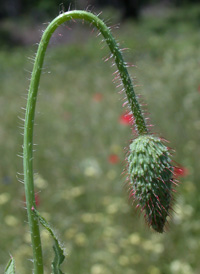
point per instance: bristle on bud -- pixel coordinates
(150, 179)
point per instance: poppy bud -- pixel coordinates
(150, 179)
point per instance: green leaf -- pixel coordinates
(58, 259)
(59, 252)
(10, 269)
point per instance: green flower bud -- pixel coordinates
(151, 179)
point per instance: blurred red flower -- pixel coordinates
(113, 159)
(126, 119)
(180, 171)
(37, 199)
(97, 97)
(199, 88)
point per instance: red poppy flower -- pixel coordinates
(97, 97)
(113, 159)
(126, 119)
(180, 171)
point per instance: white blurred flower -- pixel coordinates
(90, 167)
(4, 198)
(178, 267)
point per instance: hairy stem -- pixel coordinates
(30, 113)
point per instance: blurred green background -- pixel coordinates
(81, 134)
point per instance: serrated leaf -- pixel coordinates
(58, 259)
(58, 250)
(10, 268)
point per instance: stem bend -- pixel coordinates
(30, 113)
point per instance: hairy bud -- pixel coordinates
(150, 179)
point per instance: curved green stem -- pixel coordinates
(30, 113)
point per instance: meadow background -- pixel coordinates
(81, 133)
